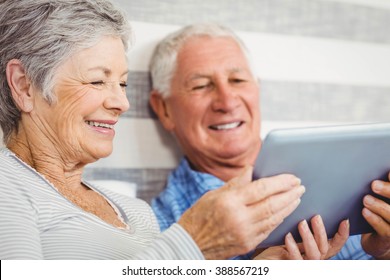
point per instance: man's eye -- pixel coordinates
(201, 87)
(237, 81)
(198, 87)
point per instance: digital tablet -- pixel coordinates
(336, 165)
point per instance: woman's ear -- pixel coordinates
(159, 106)
(20, 85)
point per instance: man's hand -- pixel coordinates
(377, 214)
(235, 218)
(315, 245)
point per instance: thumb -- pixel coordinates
(243, 179)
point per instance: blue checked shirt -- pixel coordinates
(185, 186)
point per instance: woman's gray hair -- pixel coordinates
(163, 62)
(42, 34)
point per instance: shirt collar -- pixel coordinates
(204, 181)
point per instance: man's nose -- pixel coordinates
(226, 98)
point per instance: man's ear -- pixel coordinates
(19, 84)
(159, 106)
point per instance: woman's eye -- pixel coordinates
(123, 84)
(108, 84)
(97, 83)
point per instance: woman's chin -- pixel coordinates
(102, 152)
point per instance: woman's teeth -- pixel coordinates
(98, 124)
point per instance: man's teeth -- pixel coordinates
(226, 126)
(98, 124)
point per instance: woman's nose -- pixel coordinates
(117, 98)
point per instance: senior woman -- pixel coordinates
(62, 89)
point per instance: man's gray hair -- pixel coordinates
(164, 58)
(42, 34)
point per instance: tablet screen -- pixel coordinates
(336, 165)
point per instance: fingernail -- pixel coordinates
(344, 229)
(366, 212)
(297, 181)
(377, 186)
(305, 225)
(318, 219)
(301, 189)
(369, 200)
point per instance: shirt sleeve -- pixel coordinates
(352, 250)
(19, 234)
(173, 244)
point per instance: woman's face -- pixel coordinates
(90, 97)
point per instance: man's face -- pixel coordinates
(214, 108)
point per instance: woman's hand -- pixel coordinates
(315, 245)
(235, 218)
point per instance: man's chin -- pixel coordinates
(247, 154)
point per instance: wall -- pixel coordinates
(319, 61)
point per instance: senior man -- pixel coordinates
(206, 93)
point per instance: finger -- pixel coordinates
(265, 187)
(377, 206)
(380, 226)
(292, 248)
(339, 239)
(265, 226)
(270, 206)
(382, 188)
(320, 234)
(309, 243)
